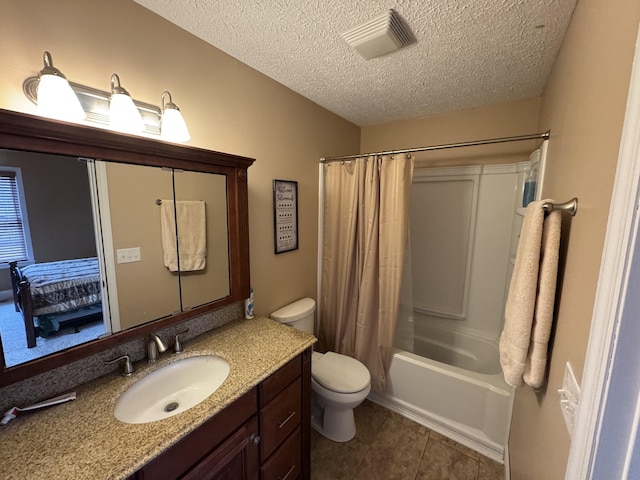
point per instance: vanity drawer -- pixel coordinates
(273, 385)
(285, 463)
(280, 417)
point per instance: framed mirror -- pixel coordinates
(122, 182)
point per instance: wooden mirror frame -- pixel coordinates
(24, 132)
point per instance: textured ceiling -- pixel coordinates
(468, 53)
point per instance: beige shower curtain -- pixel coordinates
(366, 222)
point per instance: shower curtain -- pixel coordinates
(366, 221)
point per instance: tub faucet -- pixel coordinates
(155, 346)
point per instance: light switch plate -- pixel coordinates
(569, 398)
(128, 255)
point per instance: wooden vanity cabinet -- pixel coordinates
(265, 435)
(221, 448)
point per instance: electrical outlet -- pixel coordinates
(569, 398)
(128, 255)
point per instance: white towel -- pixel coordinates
(192, 235)
(529, 308)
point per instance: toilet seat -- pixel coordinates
(339, 373)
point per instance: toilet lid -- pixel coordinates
(340, 373)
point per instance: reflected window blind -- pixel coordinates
(12, 240)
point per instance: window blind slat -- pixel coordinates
(12, 241)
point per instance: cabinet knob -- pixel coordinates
(254, 438)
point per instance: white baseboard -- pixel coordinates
(507, 466)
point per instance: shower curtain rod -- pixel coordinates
(533, 136)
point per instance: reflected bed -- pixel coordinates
(56, 294)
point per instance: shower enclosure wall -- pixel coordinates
(445, 374)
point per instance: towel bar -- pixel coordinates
(571, 206)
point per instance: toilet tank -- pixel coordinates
(298, 315)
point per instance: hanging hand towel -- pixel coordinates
(192, 235)
(529, 308)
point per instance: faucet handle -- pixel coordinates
(127, 366)
(177, 345)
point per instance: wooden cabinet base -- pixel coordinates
(262, 435)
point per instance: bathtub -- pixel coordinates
(470, 407)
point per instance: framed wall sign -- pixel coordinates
(285, 215)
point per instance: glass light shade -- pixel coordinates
(174, 128)
(124, 115)
(56, 99)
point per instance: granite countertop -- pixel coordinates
(83, 439)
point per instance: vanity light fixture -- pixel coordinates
(173, 128)
(88, 105)
(55, 97)
(123, 114)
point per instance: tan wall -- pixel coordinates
(502, 120)
(583, 106)
(229, 107)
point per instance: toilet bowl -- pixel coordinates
(339, 383)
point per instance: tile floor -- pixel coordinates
(388, 446)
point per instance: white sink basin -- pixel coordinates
(172, 389)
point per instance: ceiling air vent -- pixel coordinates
(379, 36)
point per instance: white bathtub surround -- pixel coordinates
(529, 308)
(471, 408)
(454, 388)
(451, 380)
(459, 272)
(366, 221)
(457, 348)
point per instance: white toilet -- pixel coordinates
(339, 383)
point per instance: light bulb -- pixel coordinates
(56, 98)
(174, 128)
(123, 114)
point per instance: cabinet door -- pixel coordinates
(210, 283)
(145, 289)
(235, 459)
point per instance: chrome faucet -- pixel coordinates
(155, 346)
